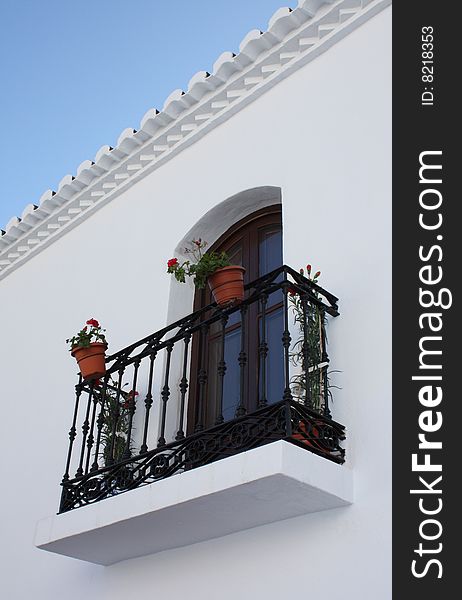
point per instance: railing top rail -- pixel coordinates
(193, 322)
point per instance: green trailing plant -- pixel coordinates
(90, 333)
(306, 352)
(202, 265)
(115, 413)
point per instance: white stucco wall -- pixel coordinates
(324, 137)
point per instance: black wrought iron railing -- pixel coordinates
(213, 384)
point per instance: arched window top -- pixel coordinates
(225, 215)
(215, 226)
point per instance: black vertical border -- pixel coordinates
(418, 128)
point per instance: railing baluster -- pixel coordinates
(91, 439)
(85, 428)
(286, 339)
(221, 370)
(183, 387)
(306, 352)
(202, 379)
(73, 430)
(131, 401)
(263, 352)
(148, 403)
(242, 359)
(165, 395)
(113, 434)
(100, 424)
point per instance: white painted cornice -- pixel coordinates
(293, 38)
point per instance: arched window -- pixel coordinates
(255, 243)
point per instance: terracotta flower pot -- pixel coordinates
(307, 437)
(227, 284)
(91, 360)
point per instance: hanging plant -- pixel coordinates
(116, 410)
(309, 385)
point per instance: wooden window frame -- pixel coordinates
(247, 230)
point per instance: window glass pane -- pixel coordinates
(231, 386)
(213, 380)
(270, 250)
(275, 357)
(235, 256)
(270, 258)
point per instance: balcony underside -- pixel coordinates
(276, 481)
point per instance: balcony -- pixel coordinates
(191, 402)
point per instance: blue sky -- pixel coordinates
(75, 73)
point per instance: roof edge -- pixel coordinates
(293, 38)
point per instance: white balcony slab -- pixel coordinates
(267, 484)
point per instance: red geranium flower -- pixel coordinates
(292, 291)
(129, 400)
(308, 268)
(172, 262)
(316, 275)
(93, 322)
